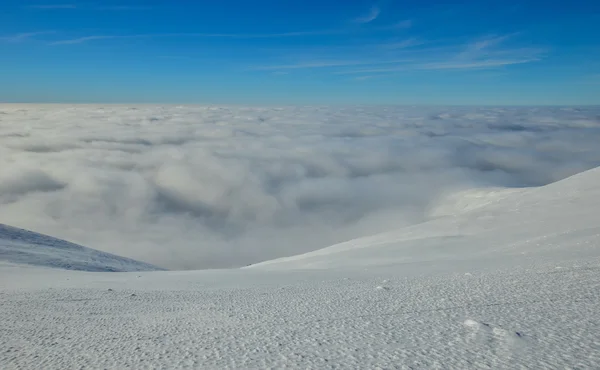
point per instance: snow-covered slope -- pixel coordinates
(558, 220)
(509, 281)
(25, 247)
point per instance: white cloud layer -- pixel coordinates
(206, 187)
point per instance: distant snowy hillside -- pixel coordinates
(560, 218)
(25, 247)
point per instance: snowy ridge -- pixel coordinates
(557, 217)
(20, 246)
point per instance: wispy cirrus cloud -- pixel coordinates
(372, 15)
(21, 37)
(442, 65)
(402, 44)
(175, 57)
(484, 45)
(376, 70)
(81, 40)
(481, 64)
(492, 51)
(487, 42)
(367, 77)
(84, 39)
(124, 7)
(325, 64)
(393, 51)
(396, 57)
(52, 6)
(89, 7)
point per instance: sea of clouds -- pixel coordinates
(211, 187)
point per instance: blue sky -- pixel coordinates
(301, 52)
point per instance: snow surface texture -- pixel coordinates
(205, 187)
(511, 281)
(25, 247)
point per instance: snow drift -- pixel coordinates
(20, 246)
(533, 223)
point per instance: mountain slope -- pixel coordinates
(558, 218)
(26, 247)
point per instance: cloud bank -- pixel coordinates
(210, 187)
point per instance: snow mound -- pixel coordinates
(26, 247)
(459, 202)
(559, 218)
